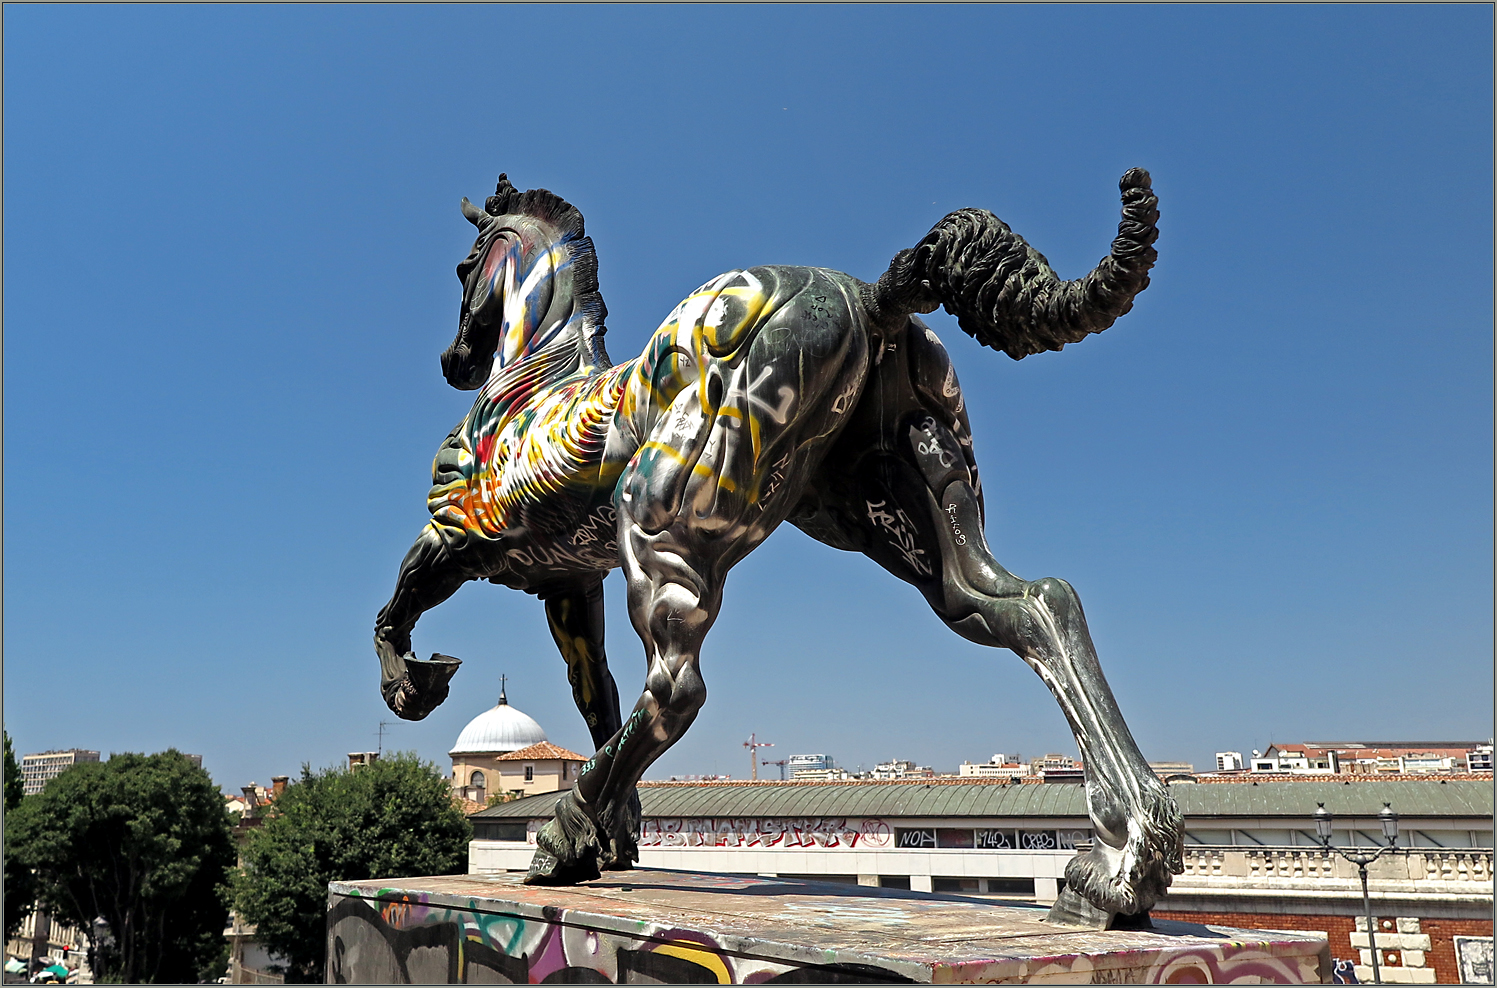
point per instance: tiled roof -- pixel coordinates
(538, 752)
(1428, 797)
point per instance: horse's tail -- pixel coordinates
(1004, 293)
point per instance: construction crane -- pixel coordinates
(782, 763)
(753, 744)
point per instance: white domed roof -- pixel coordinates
(497, 730)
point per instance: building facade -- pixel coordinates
(1372, 758)
(504, 752)
(1251, 859)
(41, 768)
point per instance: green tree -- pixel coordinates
(392, 819)
(142, 841)
(20, 884)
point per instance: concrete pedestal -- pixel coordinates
(672, 927)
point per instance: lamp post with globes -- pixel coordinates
(1361, 859)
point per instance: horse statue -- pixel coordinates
(771, 394)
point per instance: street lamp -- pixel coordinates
(1361, 859)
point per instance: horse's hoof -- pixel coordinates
(1129, 880)
(620, 855)
(547, 869)
(423, 687)
(621, 850)
(566, 849)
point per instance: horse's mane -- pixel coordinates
(549, 208)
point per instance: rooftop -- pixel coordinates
(542, 750)
(1411, 797)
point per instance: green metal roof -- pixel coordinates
(1432, 798)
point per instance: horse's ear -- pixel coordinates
(498, 203)
(473, 214)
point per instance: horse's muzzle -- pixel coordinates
(461, 370)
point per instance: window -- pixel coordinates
(954, 885)
(499, 829)
(529, 773)
(924, 837)
(476, 779)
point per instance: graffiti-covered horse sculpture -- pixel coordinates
(770, 394)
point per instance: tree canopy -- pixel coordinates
(394, 818)
(20, 886)
(142, 841)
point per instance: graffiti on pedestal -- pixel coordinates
(400, 938)
(408, 941)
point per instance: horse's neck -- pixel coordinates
(531, 329)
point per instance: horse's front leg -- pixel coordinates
(575, 616)
(429, 574)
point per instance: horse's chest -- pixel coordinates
(587, 543)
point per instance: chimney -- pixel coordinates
(277, 785)
(250, 795)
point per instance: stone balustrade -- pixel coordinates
(1403, 870)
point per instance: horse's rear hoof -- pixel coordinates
(423, 687)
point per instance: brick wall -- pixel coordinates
(1337, 928)
(1442, 945)
(1441, 956)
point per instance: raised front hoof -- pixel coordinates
(547, 869)
(423, 687)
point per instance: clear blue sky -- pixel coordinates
(230, 236)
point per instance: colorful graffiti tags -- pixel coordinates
(416, 943)
(670, 927)
(764, 832)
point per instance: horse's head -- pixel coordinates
(530, 275)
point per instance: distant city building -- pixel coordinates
(809, 763)
(1229, 761)
(1368, 758)
(1250, 854)
(41, 768)
(1479, 759)
(902, 769)
(823, 774)
(1000, 766)
(1166, 770)
(1058, 768)
(505, 752)
(250, 963)
(359, 759)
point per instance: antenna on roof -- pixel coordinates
(503, 700)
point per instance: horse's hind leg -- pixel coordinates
(1137, 827)
(429, 574)
(921, 519)
(901, 486)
